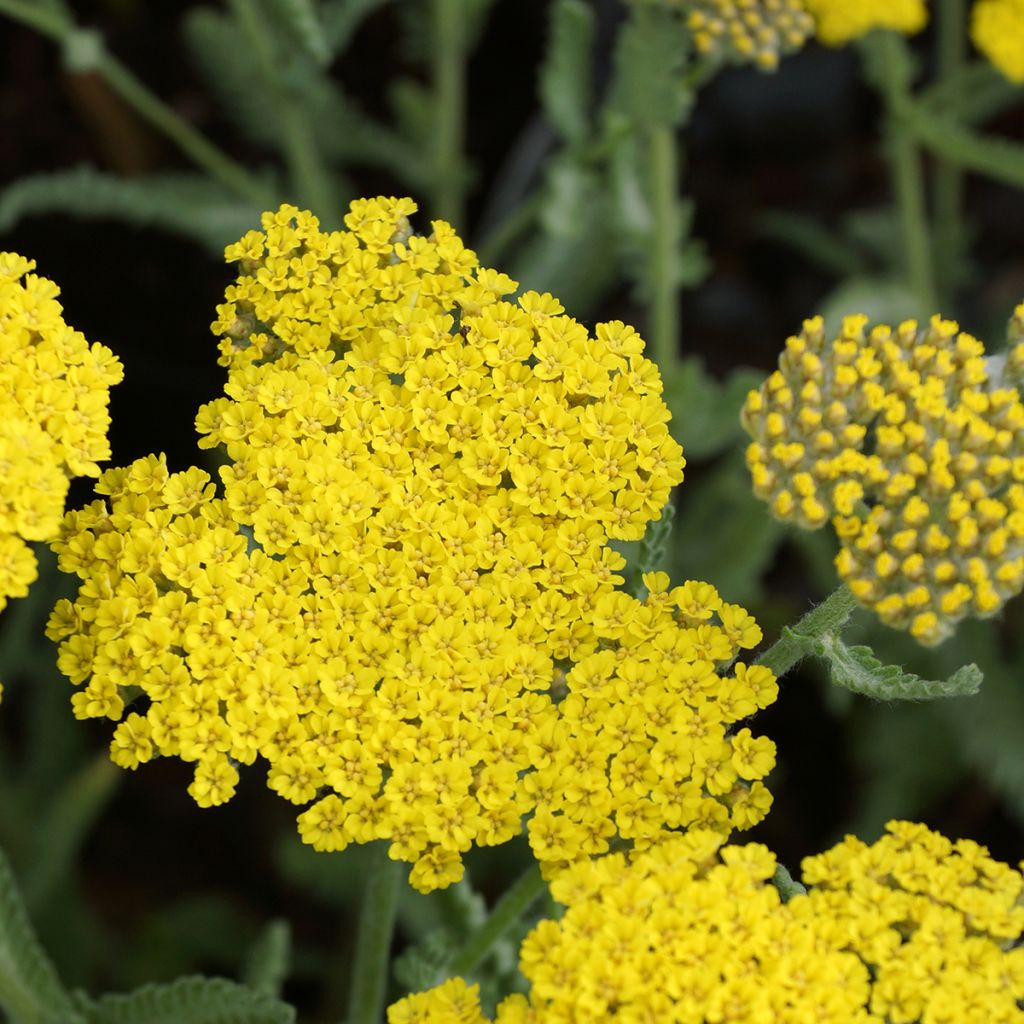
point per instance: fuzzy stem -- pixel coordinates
(310, 178)
(448, 71)
(907, 177)
(664, 304)
(951, 18)
(373, 941)
(828, 617)
(506, 913)
(149, 106)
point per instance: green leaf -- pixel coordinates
(650, 55)
(30, 990)
(705, 411)
(999, 159)
(185, 204)
(565, 75)
(342, 18)
(299, 20)
(724, 534)
(812, 240)
(654, 548)
(857, 669)
(972, 95)
(195, 1000)
(881, 300)
(421, 966)
(266, 964)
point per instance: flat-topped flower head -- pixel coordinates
(997, 30)
(406, 560)
(54, 392)
(915, 929)
(840, 21)
(912, 444)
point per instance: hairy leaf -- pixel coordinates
(300, 21)
(565, 75)
(649, 59)
(857, 669)
(266, 965)
(196, 1000)
(185, 204)
(29, 986)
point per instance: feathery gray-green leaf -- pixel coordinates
(565, 75)
(300, 21)
(267, 961)
(193, 999)
(30, 991)
(342, 18)
(186, 204)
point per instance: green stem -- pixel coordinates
(506, 913)
(828, 617)
(310, 177)
(951, 18)
(664, 306)
(373, 949)
(449, 80)
(150, 107)
(907, 175)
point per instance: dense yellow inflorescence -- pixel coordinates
(912, 929)
(906, 441)
(997, 30)
(54, 392)
(404, 599)
(840, 21)
(757, 32)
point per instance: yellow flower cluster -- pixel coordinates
(840, 21)
(914, 450)
(54, 391)
(404, 599)
(645, 741)
(755, 32)
(934, 921)
(912, 929)
(997, 30)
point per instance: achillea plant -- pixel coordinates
(404, 599)
(913, 446)
(914, 928)
(54, 391)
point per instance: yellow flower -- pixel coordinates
(912, 444)
(997, 30)
(403, 595)
(915, 929)
(54, 390)
(839, 21)
(755, 32)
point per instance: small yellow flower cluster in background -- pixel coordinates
(404, 598)
(912, 929)
(934, 920)
(54, 392)
(915, 452)
(840, 21)
(757, 32)
(997, 30)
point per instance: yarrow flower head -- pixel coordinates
(913, 445)
(912, 929)
(997, 30)
(54, 391)
(840, 21)
(403, 597)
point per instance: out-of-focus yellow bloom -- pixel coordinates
(404, 599)
(997, 30)
(914, 929)
(914, 450)
(54, 392)
(840, 21)
(756, 32)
